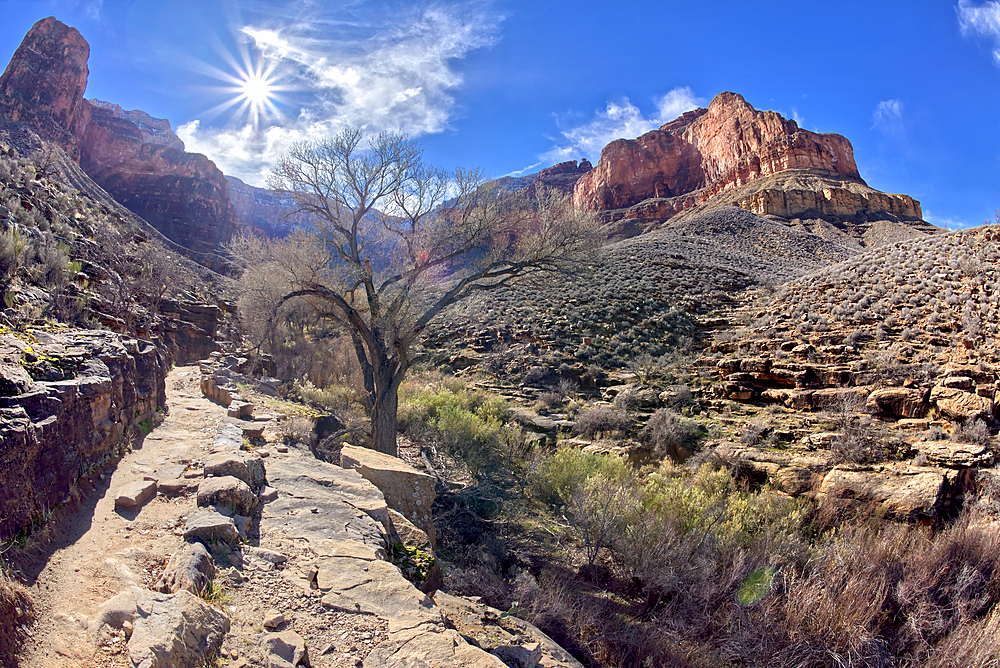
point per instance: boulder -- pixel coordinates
(190, 568)
(406, 489)
(902, 492)
(228, 492)
(958, 404)
(899, 402)
(284, 650)
(168, 630)
(135, 494)
(208, 525)
(237, 464)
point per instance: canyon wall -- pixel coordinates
(727, 147)
(129, 154)
(69, 401)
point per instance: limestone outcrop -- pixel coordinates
(68, 402)
(725, 147)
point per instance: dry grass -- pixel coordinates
(16, 613)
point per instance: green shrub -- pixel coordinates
(564, 473)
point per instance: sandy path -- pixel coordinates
(97, 550)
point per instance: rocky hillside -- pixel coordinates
(873, 380)
(182, 194)
(706, 155)
(645, 294)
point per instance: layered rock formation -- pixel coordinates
(67, 401)
(129, 154)
(184, 195)
(726, 147)
(154, 130)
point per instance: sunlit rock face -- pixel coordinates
(726, 147)
(44, 82)
(184, 195)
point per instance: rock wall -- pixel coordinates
(724, 147)
(183, 195)
(67, 402)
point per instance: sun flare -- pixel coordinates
(256, 89)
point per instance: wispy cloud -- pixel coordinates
(619, 121)
(981, 20)
(888, 117)
(949, 223)
(352, 66)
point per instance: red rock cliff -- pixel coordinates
(44, 82)
(184, 195)
(709, 150)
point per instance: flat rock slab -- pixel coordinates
(479, 621)
(406, 489)
(228, 492)
(205, 524)
(429, 648)
(228, 437)
(135, 494)
(954, 455)
(375, 588)
(344, 503)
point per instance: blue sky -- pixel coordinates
(515, 85)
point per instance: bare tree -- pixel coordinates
(395, 242)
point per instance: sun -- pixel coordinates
(256, 89)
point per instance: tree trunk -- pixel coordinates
(383, 418)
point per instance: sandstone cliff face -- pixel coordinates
(184, 195)
(129, 154)
(725, 147)
(67, 401)
(44, 82)
(154, 130)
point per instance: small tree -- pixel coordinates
(395, 242)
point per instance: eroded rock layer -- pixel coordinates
(67, 403)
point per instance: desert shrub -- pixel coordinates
(754, 432)
(17, 613)
(296, 430)
(565, 472)
(602, 420)
(549, 400)
(976, 432)
(668, 434)
(468, 423)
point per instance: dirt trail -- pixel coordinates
(98, 550)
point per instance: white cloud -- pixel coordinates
(888, 117)
(619, 121)
(981, 20)
(381, 72)
(948, 223)
(798, 119)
